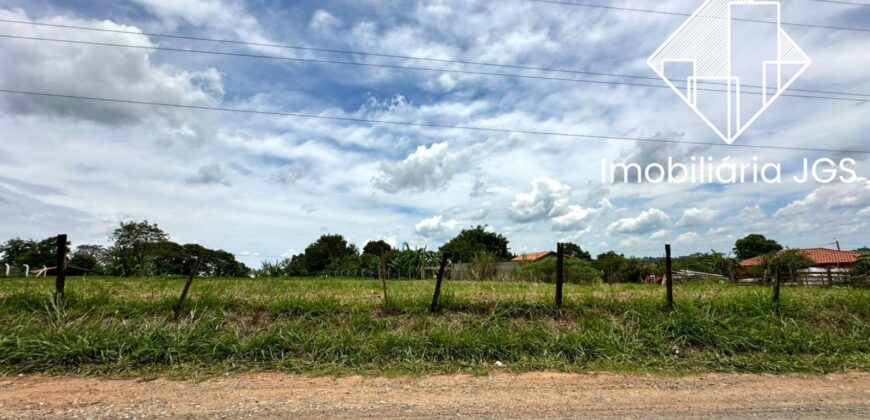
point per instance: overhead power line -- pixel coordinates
(427, 125)
(850, 3)
(395, 66)
(670, 13)
(396, 56)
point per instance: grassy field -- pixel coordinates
(124, 327)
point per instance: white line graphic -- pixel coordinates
(716, 50)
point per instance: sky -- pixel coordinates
(264, 186)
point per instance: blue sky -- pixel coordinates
(269, 185)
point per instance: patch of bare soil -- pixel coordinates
(501, 395)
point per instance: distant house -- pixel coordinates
(821, 257)
(534, 256)
(829, 265)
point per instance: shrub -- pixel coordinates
(576, 271)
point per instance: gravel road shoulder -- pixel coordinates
(500, 395)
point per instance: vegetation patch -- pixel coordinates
(125, 327)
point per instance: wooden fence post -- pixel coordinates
(776, 285)
(384, 278)
(438, 281)
(669, 282)
(560, 273)
(177, 310)
(60, 281)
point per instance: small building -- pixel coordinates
(533, 256)
(829, 265)
(821, 258)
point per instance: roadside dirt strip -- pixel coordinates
(499, 395)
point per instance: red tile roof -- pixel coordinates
(820, 256)
(533, 256)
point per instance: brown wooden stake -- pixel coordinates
(193, 272)
(60, 281)
(670, 279)
(383, 277)
(560, 273)
(438, 280)
(776, 284)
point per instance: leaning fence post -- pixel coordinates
(177, 310)
(60, 280)
(438, 281)
(560, 273)
(670, 279)
(383, 278)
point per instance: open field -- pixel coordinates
(313, 326)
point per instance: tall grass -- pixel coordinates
(125, 326)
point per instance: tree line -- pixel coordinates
(137, 249)
(144, 249)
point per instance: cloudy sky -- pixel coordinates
(267, 185)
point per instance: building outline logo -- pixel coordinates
(708, 34)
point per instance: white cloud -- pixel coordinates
(697, 216)
(436, 227)
(428, 168)
(548, 198)
(687, 238)
(647, 221)
(830, 197)
(659, 234)
(94, 71)
(574, 219)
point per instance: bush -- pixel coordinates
(576, 271)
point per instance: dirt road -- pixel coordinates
(538, 395)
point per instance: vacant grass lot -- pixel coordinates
(125, 326)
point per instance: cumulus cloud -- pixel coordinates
(436, 227)
(647, 221)
(94, 71)
(659, 234)
(687, 238)
(548, 198)
(575, 218)
(697, 216)
(830, 197)
(428, 168)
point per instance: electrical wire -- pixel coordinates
(670, 13)
(428, 125)
(392, 66)
(849, 3)
(396, 56)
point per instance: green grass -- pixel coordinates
(125, 327)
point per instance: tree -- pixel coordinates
(18, 252)
(755, 245)
(471, 242)
(610, 264)
(376, 248)
(135, 244)
(328, 248)
(91, 258)
(574, 250)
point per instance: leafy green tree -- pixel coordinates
(574, 250)
(325, 250)
(755, 245)
(19, 251)
(376, 248)
(476, 240)
(92, 258)
(135, 246)
(610, 264)
(861, 267)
